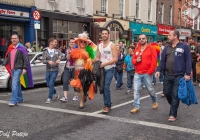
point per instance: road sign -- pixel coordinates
(36, 15)
(36, 25)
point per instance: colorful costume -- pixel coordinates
(26, 79)
(83, 77)
(158, 50)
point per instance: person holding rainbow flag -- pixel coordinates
(18, 66)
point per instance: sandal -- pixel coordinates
(172, 119)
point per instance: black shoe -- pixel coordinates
(81, 107)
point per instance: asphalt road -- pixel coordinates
(35, 120)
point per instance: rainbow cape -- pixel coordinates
(94, 47)
(158, 49)
(26, 80)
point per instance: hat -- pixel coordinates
(83, 36)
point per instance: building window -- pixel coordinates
(79, 3)
(161, 12)
(179, 16)
(137, 9)
(103, 6)
(149, 10)
(170, 15)
(121, 7)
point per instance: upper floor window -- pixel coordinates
(79, 3)
(121, 7)
(103, 6)
(170, 15)
(149, 10)
(179, 16)
(137, 9)
(161, 12)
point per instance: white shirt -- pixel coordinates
(51, 52)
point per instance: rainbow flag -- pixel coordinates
(26, 80)
(158, 49)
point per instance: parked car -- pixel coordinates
(38, 71)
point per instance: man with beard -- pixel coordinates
(144, 59)
(175, 64)
(108, 55)
(193, 49)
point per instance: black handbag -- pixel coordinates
(132, 73)
(119, 68)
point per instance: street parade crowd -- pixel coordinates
(88, 71)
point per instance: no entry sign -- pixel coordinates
(36, 15)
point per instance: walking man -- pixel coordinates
(108, 55)
(17, 63)
(175, 64)
(144, 59)
(52, 57)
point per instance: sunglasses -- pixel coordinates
(141, 38)
(83, 42)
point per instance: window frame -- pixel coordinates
(121, 11)
(149, 10)
(137, 13)
(104, 6)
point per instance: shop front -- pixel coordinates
(184, 33)
(119, 30)
(16, 19)
(163, 31)
(196, 35)
(62, 26)
(149, 30)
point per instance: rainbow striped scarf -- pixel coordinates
(26, 79)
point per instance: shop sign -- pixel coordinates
(13, 13)
(185, 32)
(111, 25)
(164, 29)
(147, 29)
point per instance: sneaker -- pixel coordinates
(129, 92)
(172, 119)
(194, 83)
(143, 86)
(56, 96)
(162, 95)
(155, 105)
(12, 104)
(75, 98)
(48, 101)
(106, 109)
(135, 110)
(161, 82)
(64, 99)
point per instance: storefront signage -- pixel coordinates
(164, 29)
(99, 20)
(113, 24)
(13, 13)
(138, 28)
(184, 32)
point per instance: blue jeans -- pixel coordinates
(147, 80)
(170, 90)
(68, 75)
(16, 87)
(108, 79)
(50, 79)
(129, 80)
(119, 80)
(115, 74)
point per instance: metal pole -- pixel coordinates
(36, 39)
(115, 35)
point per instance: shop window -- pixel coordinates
(61, 26)
(75, 27)
(54, 25)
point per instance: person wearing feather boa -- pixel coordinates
(83, 78)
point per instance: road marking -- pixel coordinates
(122, 104)
(118, 119)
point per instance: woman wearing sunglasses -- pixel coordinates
(83, 78)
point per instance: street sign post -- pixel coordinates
(36, 17)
